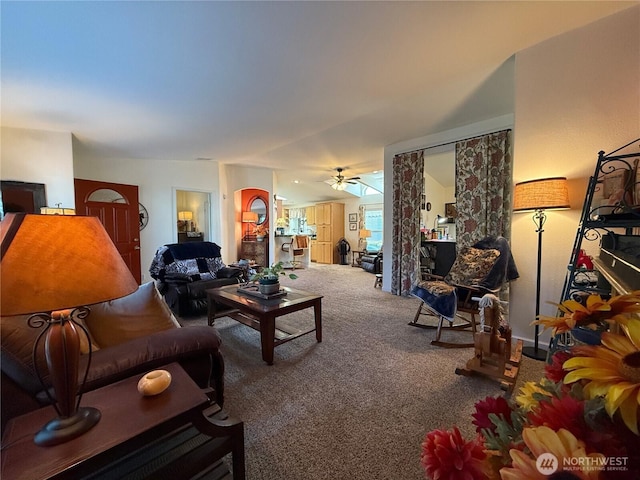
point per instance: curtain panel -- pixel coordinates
(408, 178)
(483, 187)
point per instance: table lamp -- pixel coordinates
(364, 234)
(53, 266)
(538, 196)
(183, 220)
(249, 217)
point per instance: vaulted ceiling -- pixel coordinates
(302, 87)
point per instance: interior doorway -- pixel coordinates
(193, 216)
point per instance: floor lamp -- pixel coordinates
(538, 196)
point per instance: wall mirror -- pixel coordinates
(259, 206)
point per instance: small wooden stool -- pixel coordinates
(378, 281)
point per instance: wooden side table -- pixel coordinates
(356, 258)
(129, 422)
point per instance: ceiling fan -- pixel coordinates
(341, 182)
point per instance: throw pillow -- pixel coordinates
(137, 315)
(471, 266)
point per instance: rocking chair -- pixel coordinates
(477, 270)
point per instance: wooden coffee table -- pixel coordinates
(261, 314)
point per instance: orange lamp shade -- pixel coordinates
(57, 262)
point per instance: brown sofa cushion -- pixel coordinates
(137, 315)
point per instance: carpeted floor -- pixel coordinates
(357, 405)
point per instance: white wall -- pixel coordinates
(40, 157)
(576, 94)
(157, 181)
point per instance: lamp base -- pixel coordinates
(60, 430)
(535, 353)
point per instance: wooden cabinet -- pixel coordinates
(256, 251)
(329, 230)
(311, 215)
(313, 245)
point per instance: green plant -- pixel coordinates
(272, 273)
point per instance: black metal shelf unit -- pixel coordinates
(611, 207)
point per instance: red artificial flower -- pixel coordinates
(569, 413)
(447, 456)
(556, 413)
(497, 405)
(554, 371)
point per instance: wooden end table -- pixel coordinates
(129, 423)
(261, 314)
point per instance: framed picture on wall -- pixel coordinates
(353, 218)
(353, 226)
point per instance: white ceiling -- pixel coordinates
(303, 87)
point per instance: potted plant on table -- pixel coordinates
(269, 278)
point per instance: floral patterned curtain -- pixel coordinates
(362, 210)
(483, 187)
(408, 177)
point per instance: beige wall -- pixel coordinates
(40, 157)
(576, 94)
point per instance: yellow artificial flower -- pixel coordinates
(562, 444)
(526, 398)
(611, 370)
(594, 313)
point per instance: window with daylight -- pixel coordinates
(373, 220)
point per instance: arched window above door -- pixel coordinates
(106, 195)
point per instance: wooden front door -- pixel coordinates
(116, 205)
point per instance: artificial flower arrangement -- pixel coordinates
(260, 230)
(578, 422)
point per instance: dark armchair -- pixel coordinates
(184, 271)
(372, 262)
(130, 336)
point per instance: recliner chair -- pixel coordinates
(185, 271)
(372, 262)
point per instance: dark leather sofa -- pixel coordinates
(184, 271)
(134, 334)
(372, 262)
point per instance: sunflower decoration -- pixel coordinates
(611, 370)
(594, 313)
(573, 423)
(543, 440)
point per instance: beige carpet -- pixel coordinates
(357, 405)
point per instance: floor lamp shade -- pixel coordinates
(53, 266)
(537, 196)
(542, 194)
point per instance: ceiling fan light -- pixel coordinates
(339, 186)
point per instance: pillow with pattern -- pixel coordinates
(471, 266)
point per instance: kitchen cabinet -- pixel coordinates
(314, 250)
(329, 230)
(311, 215)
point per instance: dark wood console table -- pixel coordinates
(136, 437)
